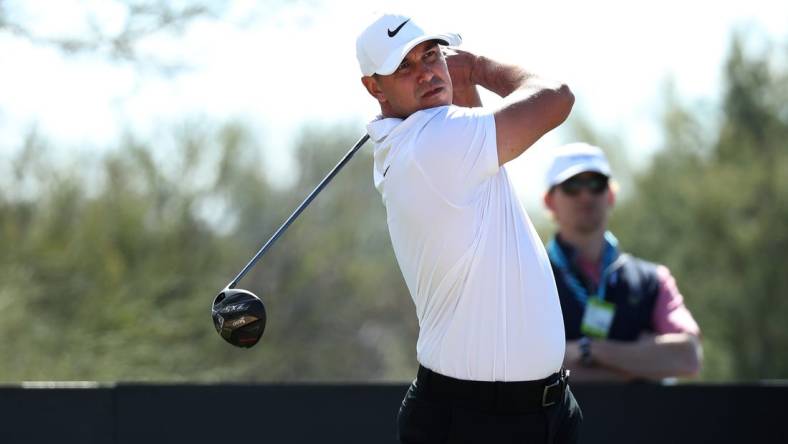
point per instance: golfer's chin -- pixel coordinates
(438, 97)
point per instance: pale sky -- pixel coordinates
(278, 70)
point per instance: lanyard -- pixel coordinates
(562, 263)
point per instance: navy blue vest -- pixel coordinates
(633, 286)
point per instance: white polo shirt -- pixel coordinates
(477, 271)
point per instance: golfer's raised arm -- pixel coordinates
(532, 106)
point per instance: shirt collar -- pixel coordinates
(384, 132)
(382, 127)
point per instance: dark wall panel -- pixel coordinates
(267, 414)
(57, 415)
(348, 414)
(649, 414)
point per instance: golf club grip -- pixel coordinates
(298, 210)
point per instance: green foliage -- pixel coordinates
(108, 265)
(113, 280)
(715, 210)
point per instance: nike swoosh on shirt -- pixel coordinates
(396, 30)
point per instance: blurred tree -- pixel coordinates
(113, 280)
(715, 212)
(97, 276)
(339, 309)
(110, 276)
(113, 29)
(127, 31)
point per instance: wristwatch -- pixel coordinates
(585, 352)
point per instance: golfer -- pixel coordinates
(491, 340)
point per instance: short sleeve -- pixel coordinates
(670, 314)
(457, 151)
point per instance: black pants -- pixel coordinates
(442, 410)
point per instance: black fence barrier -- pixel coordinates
(325, 413)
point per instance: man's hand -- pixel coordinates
(652, 356)
(593, 373)
(461, 64)
(572, 355)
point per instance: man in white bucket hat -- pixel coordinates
(624, 317)
(491, 337)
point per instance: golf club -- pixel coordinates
(239, 316)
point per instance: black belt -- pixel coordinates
(502, 397)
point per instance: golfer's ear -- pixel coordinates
(373, 88)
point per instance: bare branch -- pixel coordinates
(143, 19)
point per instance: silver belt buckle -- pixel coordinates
(547, 390)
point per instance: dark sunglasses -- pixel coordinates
(595, 183)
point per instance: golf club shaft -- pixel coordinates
(298, 210)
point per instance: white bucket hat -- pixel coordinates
(576, 158)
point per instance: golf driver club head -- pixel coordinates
(239, 317)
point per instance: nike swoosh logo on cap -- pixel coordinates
(396, 30)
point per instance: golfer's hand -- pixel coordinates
(461, 64)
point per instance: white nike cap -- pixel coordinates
(576, 158)
(383, 44)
